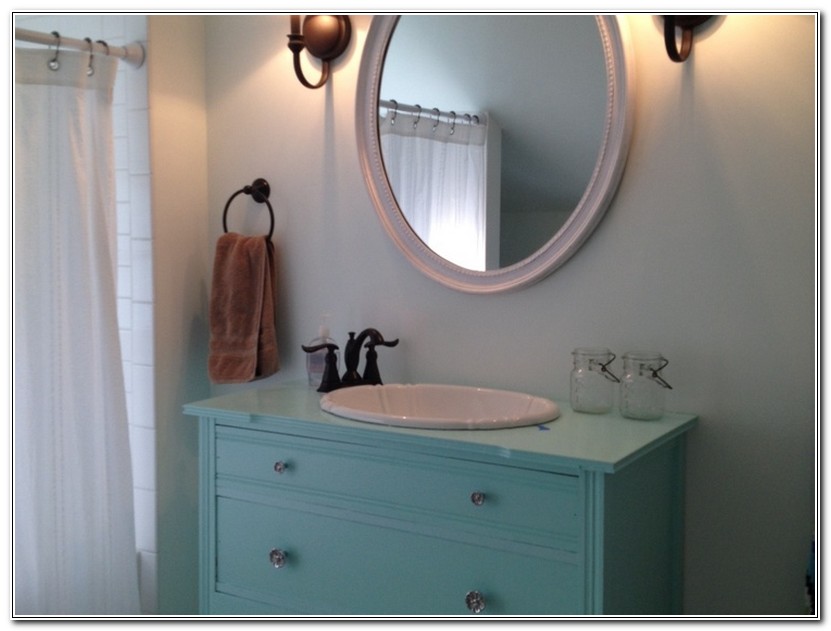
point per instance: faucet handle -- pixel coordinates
(381, 342)
(371, 372)
(377, 339)
(330, 380)
(313, 349)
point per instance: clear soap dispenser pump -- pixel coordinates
(316, 362)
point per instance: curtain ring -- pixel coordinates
(437, 113)
(105, 45)
(452, 122)
(468, 119)
(418, 116)
(54, 64)
(394, 111)
(90, 69)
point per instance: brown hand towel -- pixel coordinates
(243, 343)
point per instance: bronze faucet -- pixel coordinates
(351, 357)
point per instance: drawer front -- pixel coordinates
(534, 504)
(341, 566)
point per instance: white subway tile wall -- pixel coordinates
(135, 277)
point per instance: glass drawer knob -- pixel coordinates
(477, 497)
(280, 466)
(277, 558)
(475, 602)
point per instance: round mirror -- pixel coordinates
(492, 145)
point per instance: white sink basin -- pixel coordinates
(439, 406)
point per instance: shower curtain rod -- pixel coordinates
(432, 114)
(132, 53)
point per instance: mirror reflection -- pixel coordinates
(490, 129)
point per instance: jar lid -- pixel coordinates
(643, 356)
(605, 352)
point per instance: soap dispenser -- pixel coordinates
(316, 361)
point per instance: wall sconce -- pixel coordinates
(325, 37)
(686, 23)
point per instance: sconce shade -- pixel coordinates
(324, 36)
(686, 23)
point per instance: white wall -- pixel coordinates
(706, 254)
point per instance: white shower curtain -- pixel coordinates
(74, 539)
(439, 180)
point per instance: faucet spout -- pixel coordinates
(352, 357)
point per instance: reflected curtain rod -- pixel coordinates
(132, 53)
(431, 114)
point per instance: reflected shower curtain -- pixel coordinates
(439, 181)
(74, 540)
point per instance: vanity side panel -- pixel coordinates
(207, 491)
(642, 529)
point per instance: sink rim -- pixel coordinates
(531, 409)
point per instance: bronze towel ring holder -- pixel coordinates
(260, 190)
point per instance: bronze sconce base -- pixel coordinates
(324, 36)
(686, 23)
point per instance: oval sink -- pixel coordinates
(435, 406)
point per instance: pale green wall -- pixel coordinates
(181, 258)
(706, 254)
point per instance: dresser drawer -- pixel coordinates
(347, 565)
(537, 506)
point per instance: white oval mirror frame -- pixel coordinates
(588, 213)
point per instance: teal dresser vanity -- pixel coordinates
(305, 513)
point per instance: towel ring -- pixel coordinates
(260, 191)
